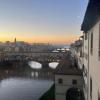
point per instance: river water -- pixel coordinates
(23, 89)
(24, 83)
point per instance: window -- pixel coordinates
(81, 54)
(91, 46)
(85, 36)
(98, 96)
(83, 68)
(99, 41)
(91, 88)
(60, 81)
(74, 82)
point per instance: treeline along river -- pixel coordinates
(19, 81)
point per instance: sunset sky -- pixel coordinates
(53, 21)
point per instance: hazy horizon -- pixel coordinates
(33, 21)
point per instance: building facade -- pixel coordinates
(68, 81)
(91, 51)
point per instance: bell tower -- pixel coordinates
(15, 40)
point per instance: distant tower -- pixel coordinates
(15, 40)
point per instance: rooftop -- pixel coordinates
(66, 67)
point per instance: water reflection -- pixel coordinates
(21, 82)
(35, 74)
(32, 74)
(23, 89)
(42, 75)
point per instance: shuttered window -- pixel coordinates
(99, 42)
(91, 88)
(98, 96)
(91, 48)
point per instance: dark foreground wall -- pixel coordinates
(50, 94)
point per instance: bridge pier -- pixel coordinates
(45, 65)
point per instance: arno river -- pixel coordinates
(22, 82)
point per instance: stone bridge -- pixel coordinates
(32, 56)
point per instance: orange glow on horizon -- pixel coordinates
(43, 39)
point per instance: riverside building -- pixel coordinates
(68, 81)
(90, 48)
